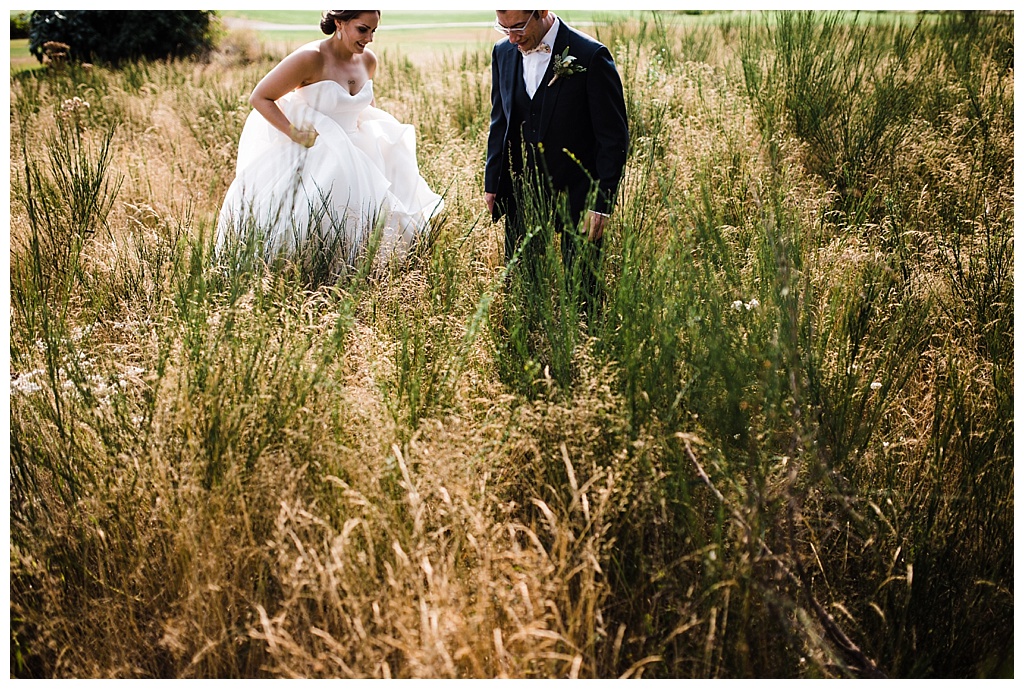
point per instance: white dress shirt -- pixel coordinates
(535, 64)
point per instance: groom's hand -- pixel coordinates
(489, 198)
(594, 224)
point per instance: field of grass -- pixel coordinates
(783, 447)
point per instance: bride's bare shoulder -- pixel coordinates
(307, 57)
(302, 66)
(370, 62)
(310, 51)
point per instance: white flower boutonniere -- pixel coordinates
(565, 66)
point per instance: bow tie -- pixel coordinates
(542, 48)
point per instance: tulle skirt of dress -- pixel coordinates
(360, 177)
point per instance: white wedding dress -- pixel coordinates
(360, 173)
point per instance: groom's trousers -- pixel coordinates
(581, 258)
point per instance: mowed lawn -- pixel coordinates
(419, 36)
(21, 59)
(424, 36)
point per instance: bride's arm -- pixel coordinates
(370, 62)
(301, 67)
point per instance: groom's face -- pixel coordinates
(526, 27)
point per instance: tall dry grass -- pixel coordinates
(782, 448)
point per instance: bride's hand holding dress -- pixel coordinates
(303, 137)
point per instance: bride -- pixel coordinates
(319, 167)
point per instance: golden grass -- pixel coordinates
(280, 479)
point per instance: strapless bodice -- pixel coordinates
(333, 100)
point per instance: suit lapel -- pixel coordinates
(512, 74)
(549, 94)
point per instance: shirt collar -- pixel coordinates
(549, 37)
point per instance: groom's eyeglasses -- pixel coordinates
(512, 30)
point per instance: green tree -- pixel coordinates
(19, 24)
(115, 35)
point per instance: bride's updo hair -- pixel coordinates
(327, 24)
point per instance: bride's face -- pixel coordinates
(357, 33)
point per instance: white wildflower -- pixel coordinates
(78, 333)
(875, 385)
(737, 305)
(25, 383)
(72, 105)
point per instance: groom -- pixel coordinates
(558, 125)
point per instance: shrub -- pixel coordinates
(19, 24)
(113, 36)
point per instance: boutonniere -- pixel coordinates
(565, 66)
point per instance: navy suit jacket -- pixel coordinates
(583, 114)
